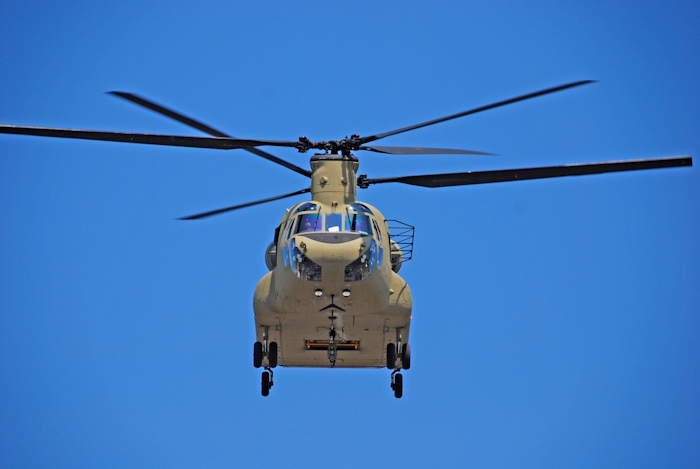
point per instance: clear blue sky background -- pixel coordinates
(556, 323)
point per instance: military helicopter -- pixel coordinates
(333, 296)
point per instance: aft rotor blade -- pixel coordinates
(421, 151)
(149, 139)
(203, 127)
(505, 175)
(372, 138)
(248, 204)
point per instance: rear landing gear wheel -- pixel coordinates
(406, 356)
(266, 383)
(272, 354)
(257, 354)
(391, 356)
(398, 385)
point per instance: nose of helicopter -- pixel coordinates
(335, 258)
(333, 247)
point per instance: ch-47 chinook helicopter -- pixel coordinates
(333, 296)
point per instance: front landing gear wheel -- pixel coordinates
(398, 385)
(266, 384)
(257, 354)
(391, 356)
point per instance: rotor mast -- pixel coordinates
(334, 178)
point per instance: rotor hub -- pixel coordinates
(343, 146)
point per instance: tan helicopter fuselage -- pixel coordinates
(331, 278)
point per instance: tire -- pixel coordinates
(272, 354)
(391, 356)
(406, 356)
(265, 383)
(398, 385)
(257, 354)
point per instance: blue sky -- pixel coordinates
(556, 322)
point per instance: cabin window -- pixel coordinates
(359, 223)
(310, 222)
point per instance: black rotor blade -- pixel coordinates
(168, 112)
(203, 127)
(150, 139)
(372, 138)
(422, 151)
(248, 204)
(505, 175)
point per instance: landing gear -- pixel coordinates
(397, 384)
(397, 363)
(262, 350)
(267, 381)
(272, 354)
(391, 356)
(257, 354)
(406, 356)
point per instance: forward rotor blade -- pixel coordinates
(150, 139)
(372, 138)
(505, 175)
(203, 127)
(422, 151)
(168, 113)
(248, 204)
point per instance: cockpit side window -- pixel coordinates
(288, 231)
(310, 222)
(359, 223)
(377, 230)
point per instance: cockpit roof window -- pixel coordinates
(358, 207)
(307, 207)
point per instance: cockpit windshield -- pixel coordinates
(335, 222)
(358, 222)
(310, 222)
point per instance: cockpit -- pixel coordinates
(332, 228)
(355, 220)
(334, 223)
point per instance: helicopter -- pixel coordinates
(333, 297)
